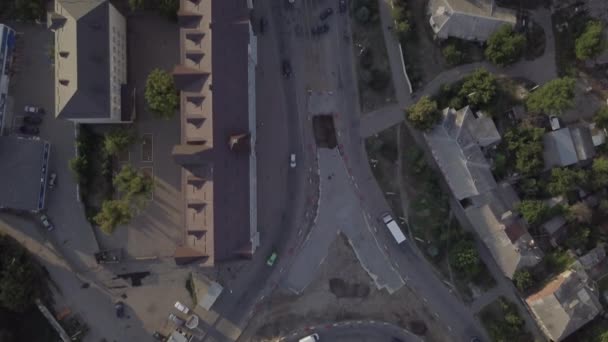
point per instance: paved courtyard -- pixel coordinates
(153, 43)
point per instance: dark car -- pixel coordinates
(286, 67)
(263, 23)
(52, 180)
(326, 13)
(32, 120)
(318, 30)
(29, 130)
(120, 309)
(342, 6)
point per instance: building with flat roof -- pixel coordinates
(7, 43)
(468, 19)
(24, 169)
(216, 80)
(91, 62)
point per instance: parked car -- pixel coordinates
(286, 67)
(33, 110)
(119, 307)
(32, 120)
(342, 6)
(326, 13)
(272, 259)
(318, 30)
(46, 223)
(182, 308)
(263, 23)
(178, 321)
(310, 338)
(52, 180)
(31, 130)
(292, 160)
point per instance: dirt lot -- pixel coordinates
(354, 296)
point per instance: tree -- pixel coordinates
(479, 87)
(136, 4)
(533, 211)
(161, 94)
(599, 172)
(424, 114)
(169, 8)
(580, 212)
(530, 187)
(504, 46)
(603, 206)
(29, 9)
(553, 97)
(601, 117)
(117, 141)
(525, 145)
(79, 166)
(452, 55)
(362, 14)
(112, 214)
(579, 239)
(402, 27)
(590, 43)
(21, 278)
(465, 258)
(133, 184)
(523, 279)
(563, 180)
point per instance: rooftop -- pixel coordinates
(468, 19)
(456, 146)
(565, 304)
(215, 149)
(559, 148)
(24, 170)
(503, 233)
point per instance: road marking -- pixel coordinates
(300, 232)
(449, 328)
(396, 264)
(261, 298)
(436, 315)
(425, 300)
(281, 270)
(386, 247)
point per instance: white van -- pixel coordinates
(310, 338)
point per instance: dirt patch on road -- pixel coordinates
(331, 299)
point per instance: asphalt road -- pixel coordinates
(336, 52)
(356, 331)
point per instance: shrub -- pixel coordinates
(479, 87)
(161, 94)
(452, 55)
(553, 97)
(424, 114)
(505, 46)
(362, 14)
(590, 43)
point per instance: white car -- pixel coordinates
(33, 110)
(182, 308)
(292, 160)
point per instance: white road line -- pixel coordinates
(425, 300)
(436, 315)
(449, 328)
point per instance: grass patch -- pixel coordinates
(191, 289)
(502, 321)
(373, 69)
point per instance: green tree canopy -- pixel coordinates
(21, 278)
(465, 258)
(161, 94)
(112, 214)
(525, 145)
(601, 117)
(533, 211)
(564, 180)
(523, 279)
(479, 87)
(402, 27)
(590, 43)
(579, 212)
(136, 4)
(452, 55)
(117, 140)
(504, 46)
(553, 97)
(29, 9)
(169, 8)
(599, 172)
(424, 114)
(133, 184)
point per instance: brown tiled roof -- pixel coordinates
(213, 79)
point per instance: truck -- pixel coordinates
(393, 227)
(310, 338)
